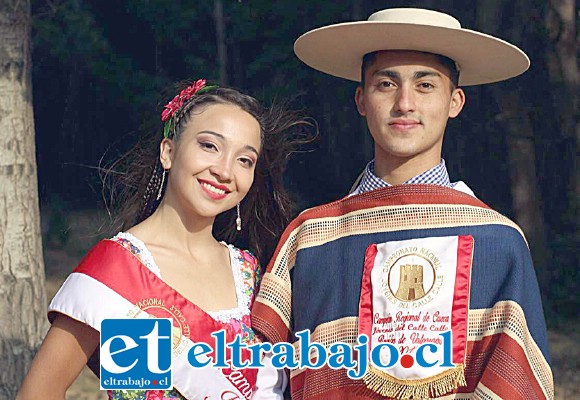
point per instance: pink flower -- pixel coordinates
(249, 258)
(236, 326)
(154, 395)
(174, 105)
(246, 319)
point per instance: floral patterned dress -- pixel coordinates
(246, 274)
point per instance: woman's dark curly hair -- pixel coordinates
(135, 180)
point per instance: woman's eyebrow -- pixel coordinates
(219, 135)
(222, 137)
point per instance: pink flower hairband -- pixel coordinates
(171, 108)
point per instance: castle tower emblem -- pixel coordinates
(411, 282)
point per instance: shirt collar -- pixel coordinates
(436, 176)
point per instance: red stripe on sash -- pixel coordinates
(116, 267)
(460, 307)
(365, 309)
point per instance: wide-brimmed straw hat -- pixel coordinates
(338, 49)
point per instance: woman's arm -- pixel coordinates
(60, 359)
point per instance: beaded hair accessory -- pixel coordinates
(171, 109)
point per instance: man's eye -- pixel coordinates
(426, 85)
(386, 84)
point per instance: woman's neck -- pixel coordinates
(168, 227)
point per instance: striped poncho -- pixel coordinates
(341, 269)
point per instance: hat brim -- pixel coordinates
(338, 49)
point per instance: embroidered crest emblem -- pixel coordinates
(413, 309)
(180, 328)
(412, 277)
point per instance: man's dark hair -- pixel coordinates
(370, 58)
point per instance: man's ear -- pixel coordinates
(166, 153)
(456, 103)
(359, 100)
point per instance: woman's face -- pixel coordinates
(212, 163)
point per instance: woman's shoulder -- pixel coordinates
(129, 241)
(106, 253)
(123, 238)
(138, 248)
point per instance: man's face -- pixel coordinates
(407, 99)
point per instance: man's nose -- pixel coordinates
(405, 100)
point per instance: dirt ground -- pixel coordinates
(61, 255)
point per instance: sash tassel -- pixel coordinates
(388, 386)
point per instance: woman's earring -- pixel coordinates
(238, 219)
(160, 192)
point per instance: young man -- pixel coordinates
(435, 291)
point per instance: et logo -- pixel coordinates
(136, 353)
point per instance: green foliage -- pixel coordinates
(69, 34)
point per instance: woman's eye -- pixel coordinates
(247, 162)
(207, 146)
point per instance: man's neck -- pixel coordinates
(396, 171)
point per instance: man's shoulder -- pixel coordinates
(392, 196)
(427, 206)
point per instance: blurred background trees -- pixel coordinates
(98, 69)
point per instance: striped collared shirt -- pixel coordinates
(436, 176)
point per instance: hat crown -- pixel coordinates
(415, 16)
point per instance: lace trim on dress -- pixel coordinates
(144, 253)
(236, 263)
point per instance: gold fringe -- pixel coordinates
(417, 389)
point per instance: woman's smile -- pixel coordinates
(213, 189)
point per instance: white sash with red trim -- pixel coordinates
(413, 292)
(110, 282)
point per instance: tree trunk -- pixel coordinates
(525, 190)
(562, 60)
(22, 294)
(222, 52)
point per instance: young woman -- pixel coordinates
(221, 154)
